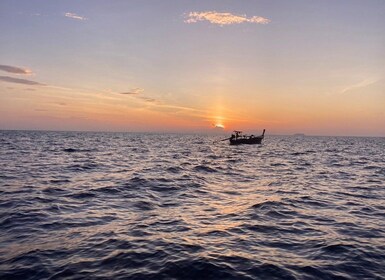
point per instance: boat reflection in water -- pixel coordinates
(238, 138)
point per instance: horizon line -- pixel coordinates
(186, 132)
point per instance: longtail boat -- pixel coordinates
(238, 138)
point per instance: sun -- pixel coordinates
(217, 122)
(219, 125)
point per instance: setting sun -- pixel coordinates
(218, 125)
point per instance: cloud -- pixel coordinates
(223, 18)
(133, 91)
(148, 99)
(75, 16)
(20, 81)
(362, 84)
(137, 94)
(15, 70)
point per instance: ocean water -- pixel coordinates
(167, 206)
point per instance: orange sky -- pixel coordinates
(293, 67)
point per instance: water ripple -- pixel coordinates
(163, 206)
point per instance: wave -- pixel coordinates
(159, 206)
(77, 150)
(83, 167)
(205, 169)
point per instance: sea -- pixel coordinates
(93, 205)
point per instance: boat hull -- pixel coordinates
(249, 141)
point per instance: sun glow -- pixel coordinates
(219, 125)
(218, 122)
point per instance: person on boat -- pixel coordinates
(232, 136)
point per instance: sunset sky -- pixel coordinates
(290, 66)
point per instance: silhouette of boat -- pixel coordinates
(238, 138)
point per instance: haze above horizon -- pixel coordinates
(312, 67)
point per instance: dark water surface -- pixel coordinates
(152, 206)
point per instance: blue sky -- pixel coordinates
(312, 66)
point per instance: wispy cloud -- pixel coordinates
(362, 84)
(75, 16)
(137, 93)
(15, 70)
(223, 18)
(20, 81)
(133, 91)
(148, 99)
(165, 106)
